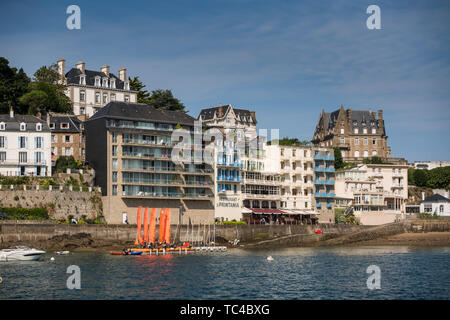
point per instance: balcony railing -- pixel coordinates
(233, 179)
(326, 182)
(323, 157)
(230, 164)
(323, 169)
(324, 195)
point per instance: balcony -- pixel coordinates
(323, 157)
(324, 182)
(323, 169)
(229, 164)
(324, 195)
(230, 179)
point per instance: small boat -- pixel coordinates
(128, 253)
(20, 253)
(161, 249)
(62, 252)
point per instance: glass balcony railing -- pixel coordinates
(235, 179)
(324, 169)
(324, 195)
(323, 157)
(326, 182)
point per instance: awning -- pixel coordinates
(267, 211)
(301, 212)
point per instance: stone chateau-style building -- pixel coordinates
(91, 90)
(358, 134)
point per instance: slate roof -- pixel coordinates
(208, 113)
(73, 77)
(13, 124)
(142, 112)
(73, 121)
(359, 119)
(436, 198)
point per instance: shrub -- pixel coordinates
(16, 213)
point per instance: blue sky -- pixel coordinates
(286, 60)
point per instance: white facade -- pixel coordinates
(429, 165)
(377, 192)
(25, 152)
(436, 205)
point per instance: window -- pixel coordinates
(113, 97)
(105, 82)
(365, 130)
(127, 98)
(2, 126)
(22, 142)
(112, 83)
(374, 131)
(38, 157)
(22, 157)
(82, 110)
(126, 85)
(105, 98)
(2, 142)
(356, 130)
(64, 125)
(23, 126)
(97, 81)
(54, 139)
(114, 150)
(114, 176)
(114, 163)
(357, 141)
(38, 142)
(38, 126)
(83, 79)
(366, 153)
(67, 151)
(374, 141)
(374, 153)
(97, 97)
(342, 130)
(2, 156)
(342, 140)
(82, 95)
(52, 125)
(441, 208)
(114, 190)
(54, 151)
(356, 154)
(366, 141)
(67, 139)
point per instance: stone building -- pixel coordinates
(358, 134)
(67, 137)
(91, 90)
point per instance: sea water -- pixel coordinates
(294, 273)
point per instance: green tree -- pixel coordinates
(411, 177)
(143, 96)
(338, 161)
(420, 177)
(286, 141)
(439, 178)
(373, 160)
(46, 93)
(13, 84)
(164, 99)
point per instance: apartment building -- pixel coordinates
(130, 147)
(359, 134)
(67, 137)
(91, 90)
(375, 193)
(324, 183)
(24, 146)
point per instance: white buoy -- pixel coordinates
(269, 258)
(52, 259)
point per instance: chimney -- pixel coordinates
(105, 70)
(380, 114)
(48, 119)
(123, 74)
(252, 113)
(11, 112)
(423, 196)
(220, 112)
(446, 194)
(39, 115)
(374, 114)
(349, 114)
(80, 66)
(61, 68)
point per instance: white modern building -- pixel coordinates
(25, 146)
(91, 90)
(377, 193)
(436, 205)
(429, 165)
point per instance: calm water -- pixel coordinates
(299, 273)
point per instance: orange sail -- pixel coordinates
(167, 226)
(162, 218)
(138, 221)
(152, 226)
(145, 240)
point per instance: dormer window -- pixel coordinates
(83, 79)
(374, 131)
(52, 125)
(356, 130)
(112, 83)
(38, 126)
(365, 130)
(2, 126)
(97, 81)
(355, 123)
(126, 85)
(23, 126)
(105, 82)
(64, 125)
